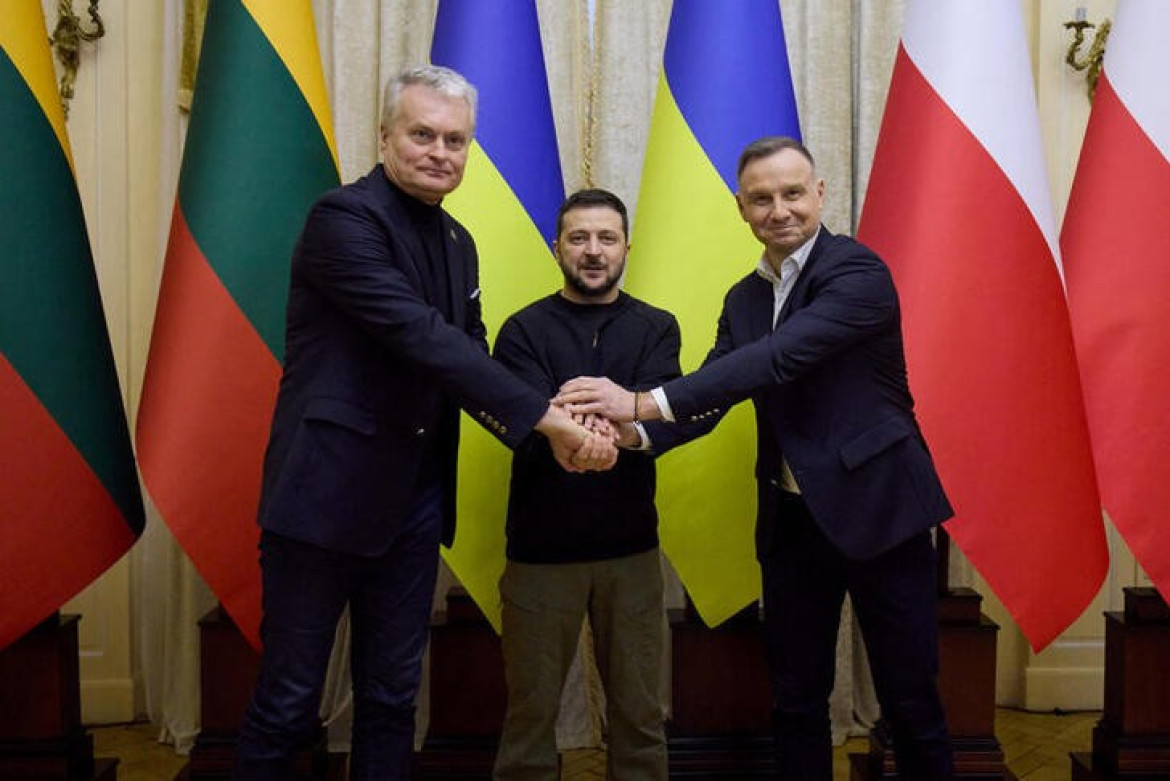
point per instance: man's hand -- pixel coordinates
(598, 425)
(627, 436)
(602, 396)
(596, 454)
(576, 448)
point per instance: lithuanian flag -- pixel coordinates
(259, 151)
(69, 499)
(725, 82)
(508, 200)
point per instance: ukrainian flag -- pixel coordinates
(725, 82)
(508, 200)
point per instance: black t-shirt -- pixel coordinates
(556, 516)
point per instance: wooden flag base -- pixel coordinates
(1132, 740)
(41, 736)
(468, 693)
(966, 682)
(228, 667)
(721, 698)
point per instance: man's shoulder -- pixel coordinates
(535, 312)
(749, 284)
(362, 191)
(654, 314)
(838, 245)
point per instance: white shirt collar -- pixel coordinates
(795, 261)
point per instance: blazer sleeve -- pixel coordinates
(359, 266)
(666, 436)
(851, 298)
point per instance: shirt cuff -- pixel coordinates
(644, 442)
(663, 405)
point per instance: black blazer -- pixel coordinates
(374, 375)
(830, 393)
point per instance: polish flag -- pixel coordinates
(1116, 242)
(958, 206)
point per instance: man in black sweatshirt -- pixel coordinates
(585, 542)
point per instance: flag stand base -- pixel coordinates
(41, 735)
(1132, 739)
(721, 701)
(228, 667)
(966, 682)
(468, 693)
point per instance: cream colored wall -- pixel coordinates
(123, 154)
(113, 129)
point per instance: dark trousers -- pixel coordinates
(306, 589)
(894, 598)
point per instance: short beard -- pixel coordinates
(586, 291)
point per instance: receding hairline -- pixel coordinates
(769, 146)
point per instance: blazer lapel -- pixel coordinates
(760, 311)
(415, 266)
(799, 292)
(457, 270)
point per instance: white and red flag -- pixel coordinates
(1116, 243)
(958, 205)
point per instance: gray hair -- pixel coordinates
(768, 146)
(442, 80)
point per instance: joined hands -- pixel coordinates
(585, 441)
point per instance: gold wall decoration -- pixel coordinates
(1091, 63)
(194, 17)
(66, 41)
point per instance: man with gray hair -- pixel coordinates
(384, 345)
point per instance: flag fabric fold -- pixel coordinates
(69, 497)
(958, 206)
(725, 82)
(508, 201)
(259, 151)
(1116, 245)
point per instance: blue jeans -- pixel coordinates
(306, 589)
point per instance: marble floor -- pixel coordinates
(1036, 745)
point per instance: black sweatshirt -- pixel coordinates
(555, 516)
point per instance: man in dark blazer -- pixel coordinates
(848, 493)
(384, 344)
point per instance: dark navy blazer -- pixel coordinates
(830, 393)
(374, 375)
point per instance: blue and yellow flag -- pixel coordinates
(725, 82)
(508, 200)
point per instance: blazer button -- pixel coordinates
(503, 429)
(422, 432)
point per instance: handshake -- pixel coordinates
(588, 420)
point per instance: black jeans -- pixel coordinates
(894, 598)
(306, 588)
